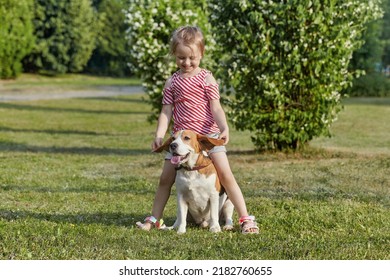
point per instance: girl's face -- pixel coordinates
(188, 59)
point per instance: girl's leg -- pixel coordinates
(228, 181)
(163, 192)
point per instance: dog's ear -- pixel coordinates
(208, 143)
(164, 146)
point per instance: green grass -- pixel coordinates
(76, 174)
(30, 83)
(364, 127)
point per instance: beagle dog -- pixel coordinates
(199, 192)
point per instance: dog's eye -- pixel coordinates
(186, 138)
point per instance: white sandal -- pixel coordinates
(248, 225)
(159, 224)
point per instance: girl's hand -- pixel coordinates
(158, 141)
(225, 136)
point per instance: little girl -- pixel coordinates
(191, 97)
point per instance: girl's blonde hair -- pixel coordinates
(187, 35)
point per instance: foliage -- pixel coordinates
(151, 24)
(386, 33)
(16, 35)
(110, 56)
(288, 64)
(65, 36)
(372, 84)
(371, 58)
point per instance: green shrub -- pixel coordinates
(65, 36)
(287, 62)
(385, 38)
(151, 24)
(111, 54)
(373, 84)
(368, 57)
(16, 35)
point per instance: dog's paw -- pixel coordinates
(167, 228)
(228, 227)
(204, 224)
(181, 230)
(215, 229)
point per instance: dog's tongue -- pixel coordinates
(175, 160)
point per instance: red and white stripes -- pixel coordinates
(191, 100)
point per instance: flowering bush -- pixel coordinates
(151, 25)
(287, 62)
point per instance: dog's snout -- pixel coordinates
(173, 146)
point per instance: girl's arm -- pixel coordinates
(162, 125)
(220, 119)
(218, 113)
(163, 121)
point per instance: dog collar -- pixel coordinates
(195, 168)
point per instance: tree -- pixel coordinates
(287, 64)
(65, 36)
(386, 33)
(368, 58)
(151, 24)
(111, 55)
(16, 35)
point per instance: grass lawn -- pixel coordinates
(76, 174)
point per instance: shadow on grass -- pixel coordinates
(70, 110)
(53, 131)
(380, 101)
(243, 152)
(109, 219)
(125, 189)
(15, 147)
(117, 99)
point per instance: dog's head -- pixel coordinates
(186, 145)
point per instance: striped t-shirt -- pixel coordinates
(191, 102)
